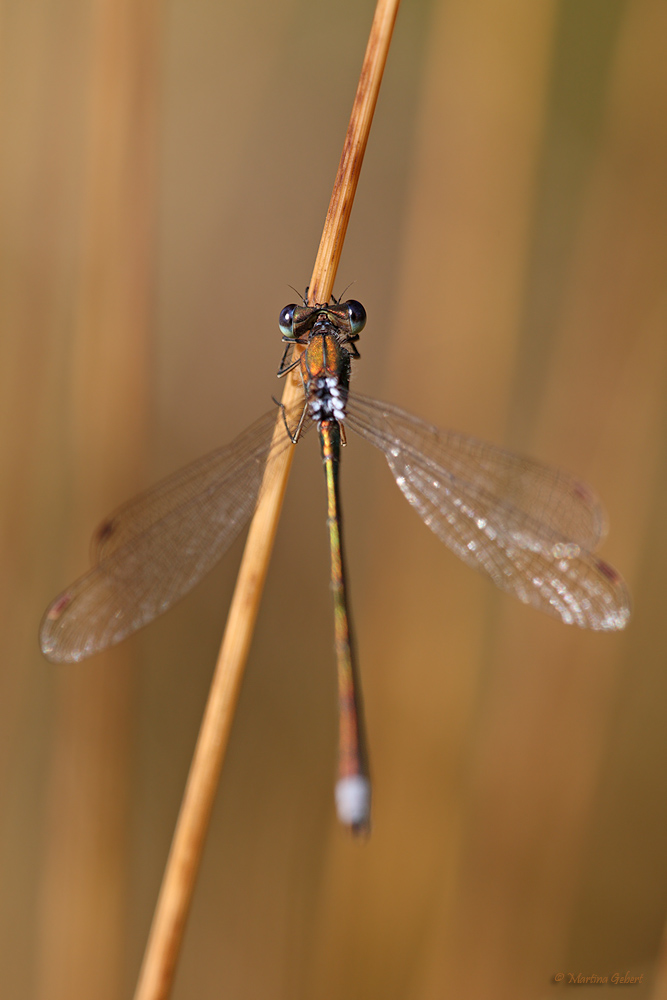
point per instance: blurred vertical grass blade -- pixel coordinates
(173, 904)
(109, 392)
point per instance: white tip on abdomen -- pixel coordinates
(353, 801)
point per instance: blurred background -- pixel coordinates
(166, 170)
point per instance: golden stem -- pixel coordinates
(164, 942)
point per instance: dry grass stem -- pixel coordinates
(166, 934)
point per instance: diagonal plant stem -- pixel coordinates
(164, 942)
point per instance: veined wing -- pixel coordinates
(528, 527)
(153, 549)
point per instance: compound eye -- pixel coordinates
(286, 320)
(356, 315)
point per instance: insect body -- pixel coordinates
(328, 335)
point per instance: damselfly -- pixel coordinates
(530, 528)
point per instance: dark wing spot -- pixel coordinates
(608, 571)
(582, 491)
(105, 531)
(58, 606)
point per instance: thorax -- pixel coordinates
(325, 368)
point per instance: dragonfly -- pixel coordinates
(532, 529)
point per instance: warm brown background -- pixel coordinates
(166, 170)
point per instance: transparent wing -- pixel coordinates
(528, 527)
(156, 547)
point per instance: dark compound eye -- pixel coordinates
(286, 320)
(356, 315)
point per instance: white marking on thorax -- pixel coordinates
(327, 399)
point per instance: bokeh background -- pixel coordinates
(166, 169)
